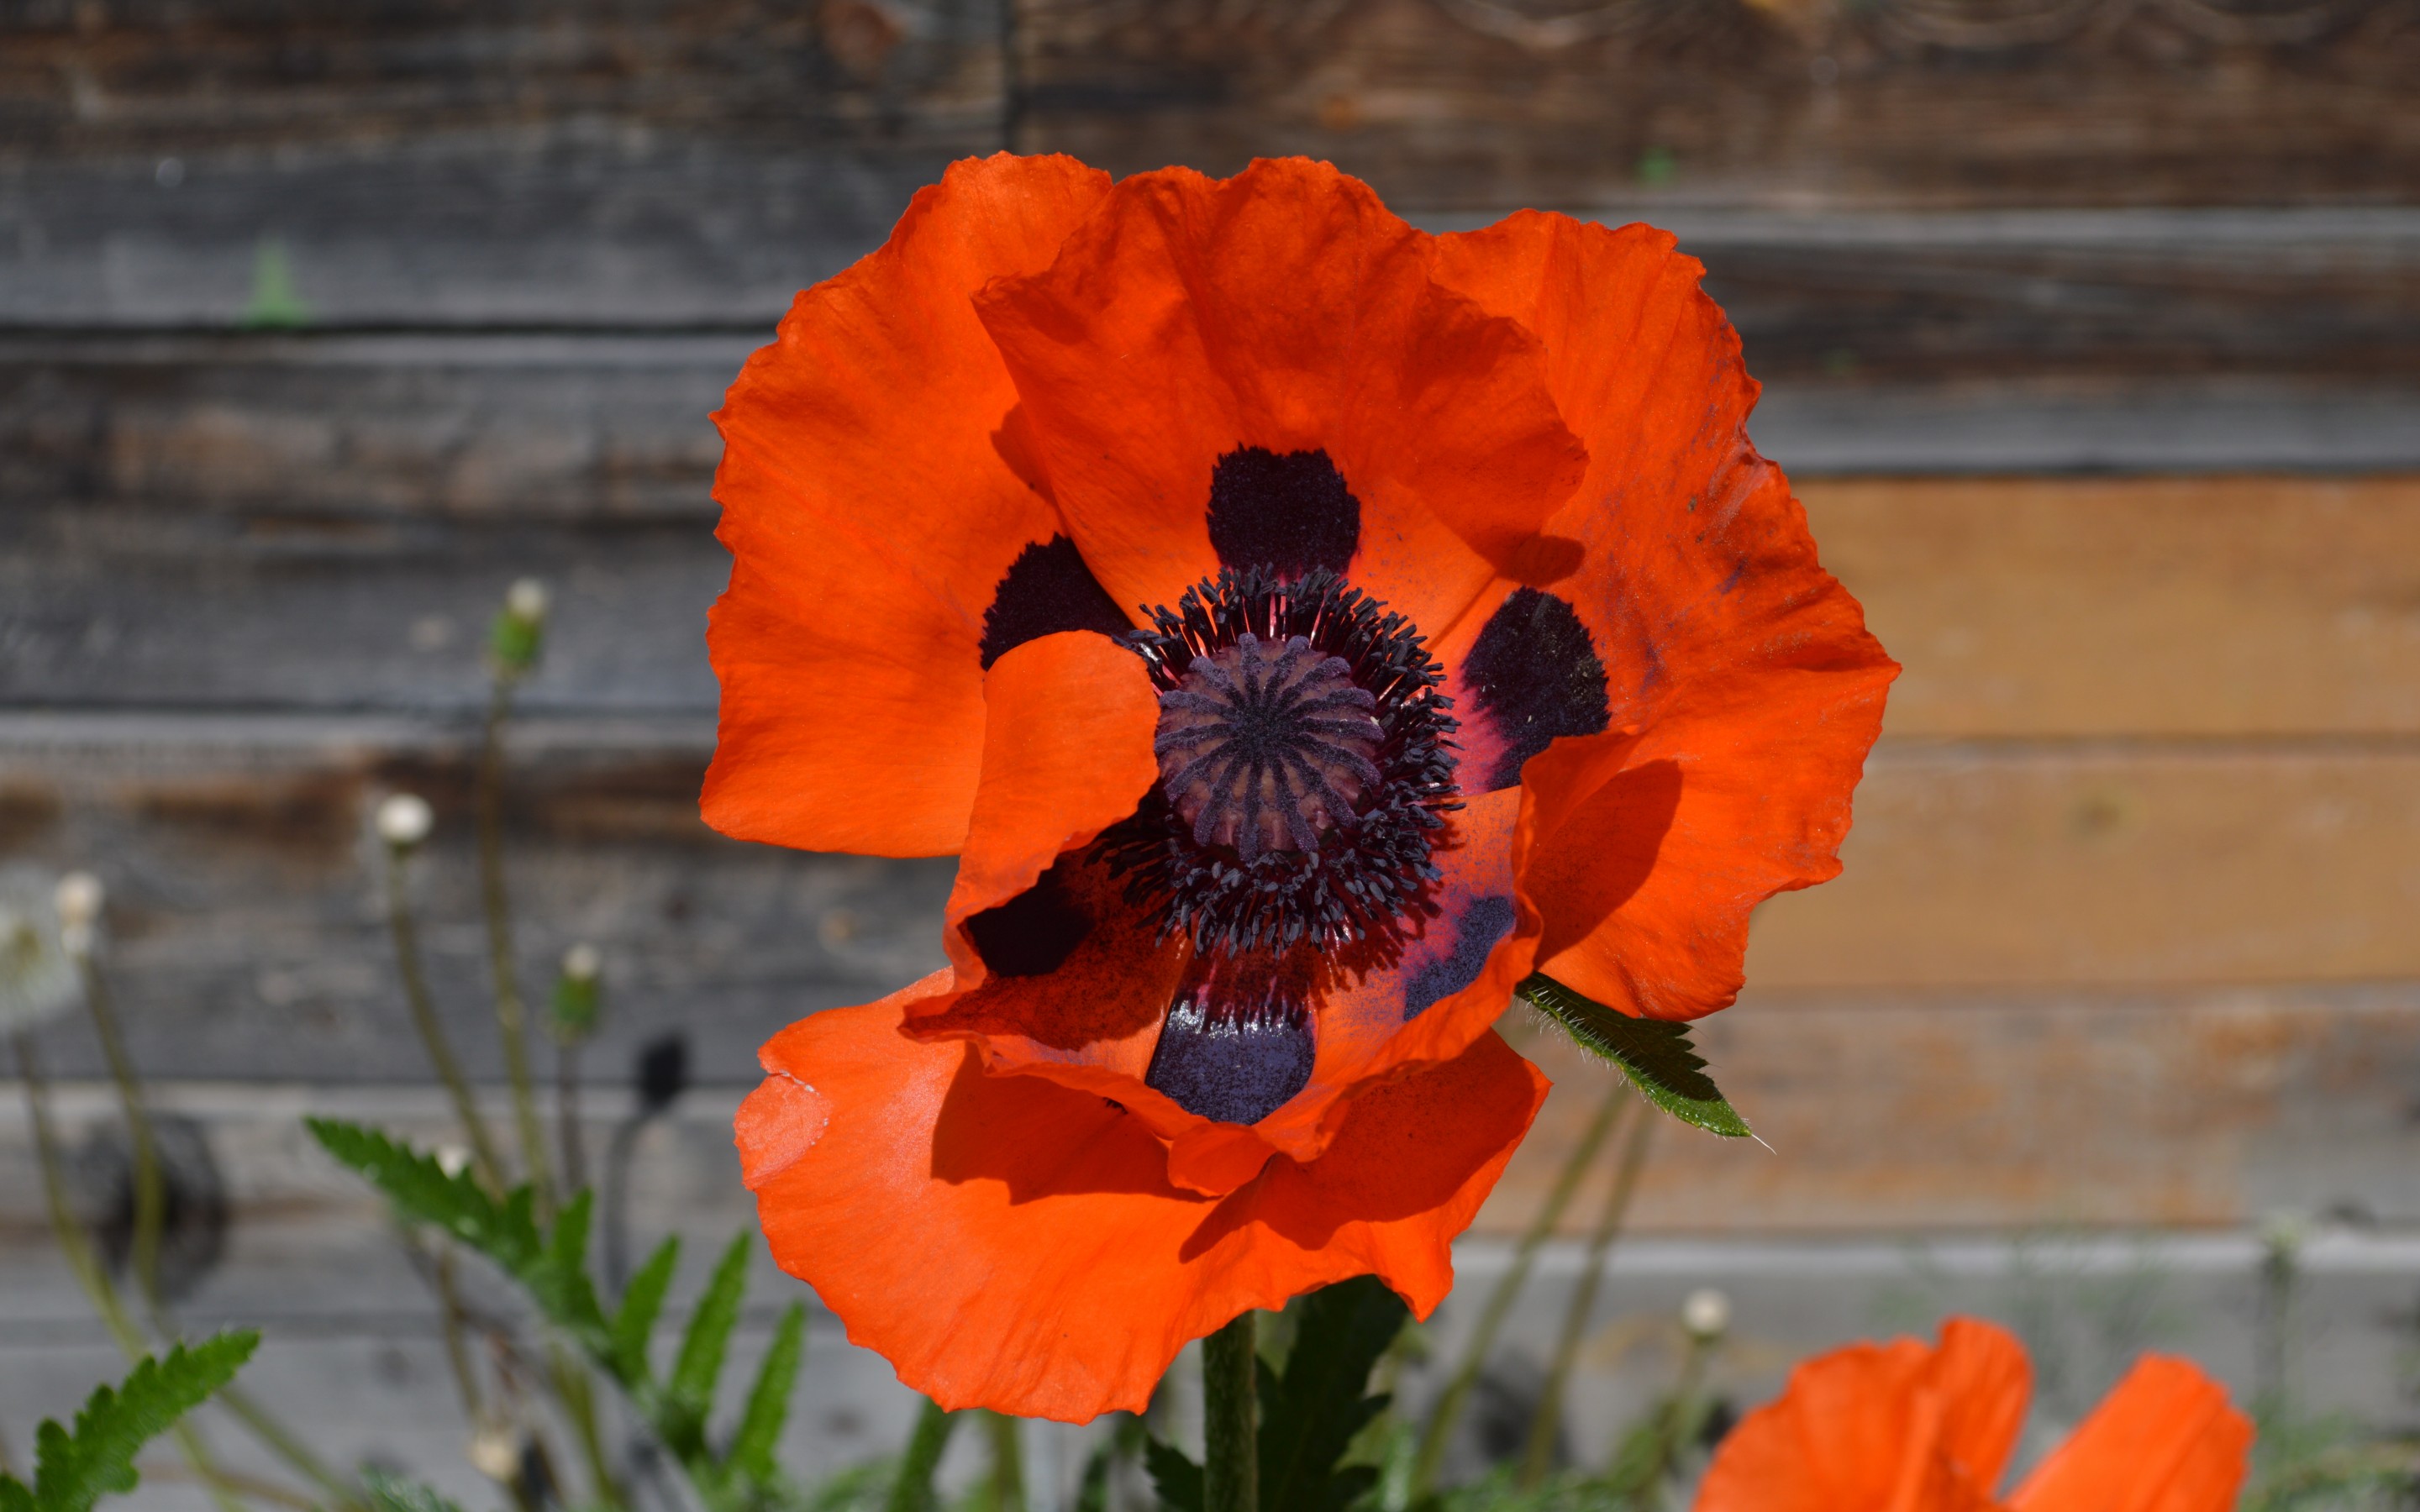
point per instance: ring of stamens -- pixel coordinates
(1306, 762)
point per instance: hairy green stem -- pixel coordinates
(1231, 1461)
(432, 1032)
(78, 1252)
(911, 1490)
(1456, 1395)
(512, 1018)
(1540, 1450)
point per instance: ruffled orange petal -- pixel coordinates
(1011, 1243)
(1067, 731)
(1743, 667)
(1284, 309)
(2164, 1440)
(873, 516)
(1897, 1427)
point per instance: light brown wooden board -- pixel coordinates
(2208, 608)
(1492, 103)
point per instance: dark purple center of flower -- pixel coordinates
(1306, 761)
(1263, 745)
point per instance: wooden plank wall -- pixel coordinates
(2091, 332)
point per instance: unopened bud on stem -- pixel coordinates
(577, 994)
(519, 630)
(79, 899)
(404, 821)
(1706, 1314)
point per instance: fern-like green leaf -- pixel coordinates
(72, 1470)
(1174, 1477)
(709, 1334)
(1311, 1413)
(768, 1401)
(421, 1191)
(634, 1322)
(1655, 1053)
(394, 1493)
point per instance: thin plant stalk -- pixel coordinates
(566, 1116)
(151, 1192)
(458, 1350)
(78, 1252)
(1231, 1461)
(1007, 1462)
(579, 1397)
(150, 1220)
(911, 1490)
(512, 1016)
(1507, 1289)
(432, 1032)
(1541, 1448)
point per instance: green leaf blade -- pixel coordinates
(768, 1401)
(1657, 1055)
(73, 1470)
(1310, 1413)
(709, 1334)
(634, 1321)
(1174, 1477)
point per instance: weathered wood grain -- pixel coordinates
(1979, 866)
(349, 560)
(1571, 104)
(2211, 608)
(250, 936)
(250, 942)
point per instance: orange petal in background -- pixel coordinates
(2164, 1439)
(1010, 1244)
(870, 516)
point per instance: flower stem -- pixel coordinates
(1542, 1427)
(1007, 1462)
(432, 1032)
(1231, 1461)
(912, 1490)
(512, 1018)
(1499, 1303)
(566, 1117)
(150, 1218)
(78, 1252)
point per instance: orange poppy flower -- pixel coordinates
(1900, 1427)
(1300, 627)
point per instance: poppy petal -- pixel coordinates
(1745, 669)
(1901, 1427)
(1259, 370)
(1067, 753)
(2164, 1439)
(874, 511)
(1011, 1243)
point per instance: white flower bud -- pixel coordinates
(495, 1452)
(452, 1159)
(581, 963)
(79, 897)
(526, 600)
(1706, 1314)
(404, 819)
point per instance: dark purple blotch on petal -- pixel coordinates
(1048, 589)
(1289, 513)
(1484, 922)
(1534, 675)
(1033, 934)
(1232, 1065)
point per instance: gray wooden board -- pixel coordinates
(250, 935)
(660, 238)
